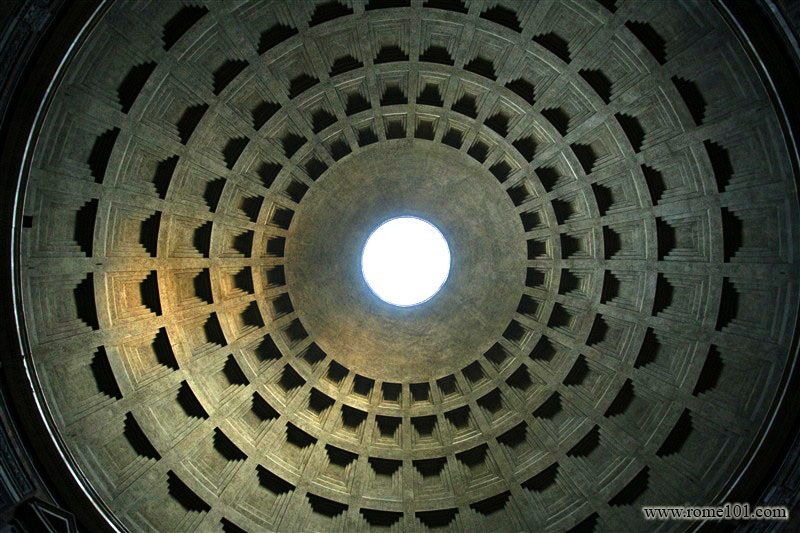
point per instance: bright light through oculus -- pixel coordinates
(405, 261)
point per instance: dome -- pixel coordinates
(615, 181)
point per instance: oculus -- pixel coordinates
(406, 261)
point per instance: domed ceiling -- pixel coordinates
(618, 199)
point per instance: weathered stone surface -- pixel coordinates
(476, 304)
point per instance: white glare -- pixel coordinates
(405, 261)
